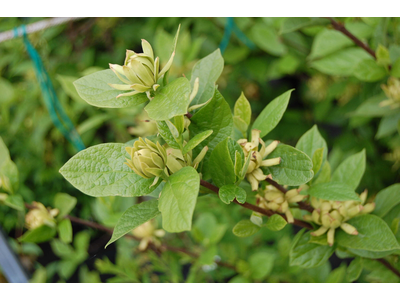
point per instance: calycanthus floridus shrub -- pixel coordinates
(202, 148)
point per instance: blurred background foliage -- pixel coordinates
(263, 58)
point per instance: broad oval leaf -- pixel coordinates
(100, 171)
(332, 191)
(275, 222)
(351, 170)
(170, 101)
(208, 70)
(178, 199)
(386, 199)
(266, 37)
(272, 114)
(242, 109)
(368, 70)
(311, 141)
(38, 235)
(95, 90)
(64, 203)
(245, 228)
(64, 229)
(309, 255)
(228, 193)
(134, 217)
(295, 167)
(373, 235)
(341, 63)
(215, 116)
(221, 165)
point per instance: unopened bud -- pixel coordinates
(349, 229)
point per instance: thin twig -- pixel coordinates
(152, 246)
(254, 207)
(340, 27)
(276, 185)
(389, 266)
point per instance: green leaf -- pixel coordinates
(133, 217)
(208, 70)
(351, 170)
(197, 139)
(337, 275)
(15, 202)
(395, 71)
(388, 125)
(382, 56)
(207, 230)
(245, 228)
(261, 264)
(371, 107)
(4, 154)
(178, 199)
(100, 171)
(240, 125)
(317, 159)
(95, 90)
(67, 84)
(228, 193)
(332, 191)
(368, 70)
(324, 175)
(386, 199)
(65, 204)
(329, 41)
(373, 235)
(64, 229)
(170, 101)
(311, 141)
(275, 223)
(38, 235)
(295, 23)
(9, 173)
(341, 63)
(354, 270)
(309, 255)
(221, 165)
(166, 134)
(215, 116)
(295, 167)
(267, 39)
(272, 114)
(242, 109)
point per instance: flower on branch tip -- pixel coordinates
(39, 216)
(331, 215)
(273, 199)
(392, 91)
(254, 173)
(149, 159)
(140, 71)
(147, 233)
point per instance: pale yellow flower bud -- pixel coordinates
(39, 216)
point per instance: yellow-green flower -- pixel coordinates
(151, 160)
(392, 91)
(140, 71)
(334, 214)
(147, 233)
(273, 199)
(254, 174)
(39, 216)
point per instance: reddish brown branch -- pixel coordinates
(254, 207)
(152, 246)
(340, 27)
(389, 266)
(276, 185)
